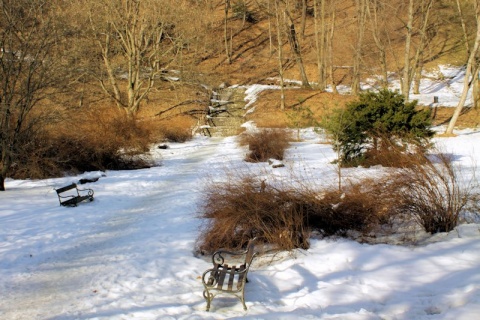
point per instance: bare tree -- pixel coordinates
(377, 15)
(228, 50)
(132, 32)
(295, 46)
(471, 71)
(28, 74)
(361, 16)
(303, 22)
(425, 38)
(320, 41)
(411, 65)
(329, 45)
(280, 52)
(406, 76)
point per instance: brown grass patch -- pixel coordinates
(285, 215)
(266, 144)
(269, 115)
(432, 192)
(87, 141)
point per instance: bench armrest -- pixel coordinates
(89, 191)
(69, 196)
(218, 256)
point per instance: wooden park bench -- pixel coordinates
(70, 196)
(228, 278)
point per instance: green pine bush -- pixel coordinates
(378, 123)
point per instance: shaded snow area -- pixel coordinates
(129, 253)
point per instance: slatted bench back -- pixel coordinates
(66, 188)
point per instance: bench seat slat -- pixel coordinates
(241, 276)
(221, 276)
(213, 276)
(231, 278)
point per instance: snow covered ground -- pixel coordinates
(129, 254)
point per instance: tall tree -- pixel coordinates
(329, 45)
(295, 46)
(377, 17)
(129, 34)
(279, 25)
(471, 71)
(419, 12)
(320, 41)
(228, 50)
(29, 73)
(361, 16)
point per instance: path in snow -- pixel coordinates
(106, 255)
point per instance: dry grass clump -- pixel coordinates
(91, 141)
(176, 129)
(285, 216)
(431, 191)
(266, 144)
(361, 207)
(394, 155)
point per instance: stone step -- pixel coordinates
(226, 112)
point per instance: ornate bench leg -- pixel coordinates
(208, 296)
(242, 298)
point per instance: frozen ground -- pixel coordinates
(129, 253)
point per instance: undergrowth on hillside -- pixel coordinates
(91, 141)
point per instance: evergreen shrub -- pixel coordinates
(378, 123)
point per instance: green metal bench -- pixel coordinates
(70, 196)
(229, 278)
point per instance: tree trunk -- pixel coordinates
(405, 84)
(297, 52)
(418, 60)
(225, 32)
(304, 18)
(476, 89)
(330, 50)
(470, 69)
(280, 55)
(418, 76)
(2, 183)
(320, 41)
(464, 29)
(376, 28)
(361, 17)
(270, 36)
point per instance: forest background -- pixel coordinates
(89, 85)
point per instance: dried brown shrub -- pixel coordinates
(265, 144)
(284, 216)
(176, 129)
(391, 153)
(86, 142)
(435, 193)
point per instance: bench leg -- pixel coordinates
(208, 296)
(242, 298)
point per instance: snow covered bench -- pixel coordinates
(69, 196)
(228, 278)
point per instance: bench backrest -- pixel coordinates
(66, 188)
